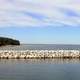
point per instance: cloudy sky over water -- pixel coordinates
(41, 21)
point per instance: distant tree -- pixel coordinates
(8, 41)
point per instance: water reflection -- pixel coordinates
(39, 69)
(33, 61)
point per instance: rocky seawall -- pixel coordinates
(39, 54)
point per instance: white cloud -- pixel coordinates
(38, 13)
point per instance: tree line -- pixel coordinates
(8, 41)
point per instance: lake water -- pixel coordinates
(41, 47)
(35, 69)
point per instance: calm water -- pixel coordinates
(35, 69)
(42, 47)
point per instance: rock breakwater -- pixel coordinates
(39, 54)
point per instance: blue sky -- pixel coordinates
(43, 35)
(41, 21)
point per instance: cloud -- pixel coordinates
(39, 13)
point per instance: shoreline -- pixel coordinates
(39, 54)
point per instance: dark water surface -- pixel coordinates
(42, 47)
(35, 69)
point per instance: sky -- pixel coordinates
(41, 21)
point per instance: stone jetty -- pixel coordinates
(39, 54)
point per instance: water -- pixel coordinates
(35, 69)
(41, 47)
